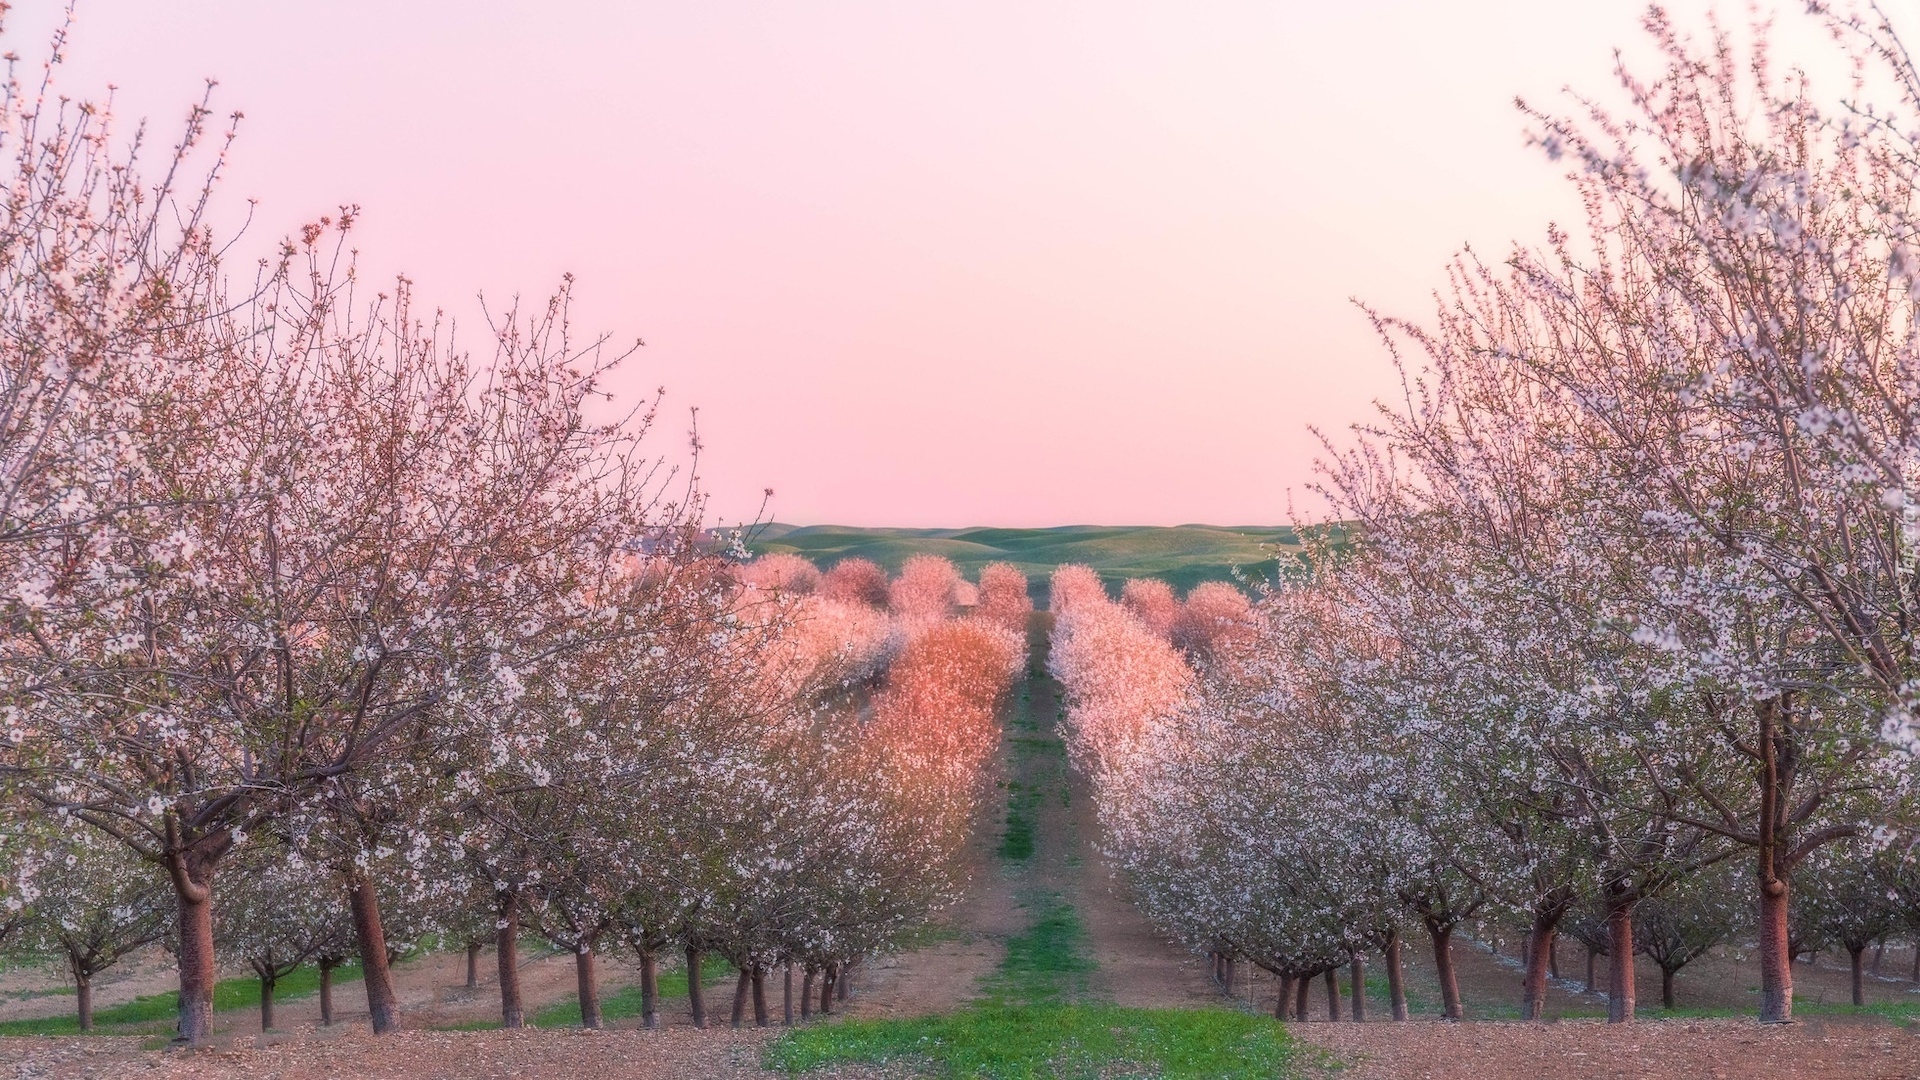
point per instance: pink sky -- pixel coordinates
(923, 263)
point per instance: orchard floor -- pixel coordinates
(1130, 965)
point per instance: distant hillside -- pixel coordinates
(1182, 555)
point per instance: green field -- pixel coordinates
(1182, 555)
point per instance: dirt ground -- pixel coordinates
(673, 1053)
(1696, 1050)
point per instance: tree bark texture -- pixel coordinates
(1776, 959)
(383, 1005)
(326, 991)
(1442, 935)
(696, 995)
(1540, 943)
(649, 990)
(507, 944)
(588, 991)
(741, 986)
(1620, 962)
(194, 894)
(1396, 977)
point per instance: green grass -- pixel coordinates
(1023, 803)
(1032, 1024)
(1074, 1041)
(143, 1013)
(625, 1002)
(1045, 962)
(1182, 555)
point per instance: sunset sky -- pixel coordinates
(923, 263)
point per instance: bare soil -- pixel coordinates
(673, 1053)
(1697, 1049)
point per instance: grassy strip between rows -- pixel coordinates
(1030, 1024)
(160, 1011)
(1074, 1041)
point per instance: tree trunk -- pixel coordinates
(1879, 954)
(1301, 990)
(507, 947)
(1620, 962)
(806, 992)
(1358, 976)
(194, 896)
(1396, 979)
(1540, 942)
(1859, 975)
(759, 995)
(588, 991)
(740, 990)
(473, 965)
(649, 990)
(327, 965)
(1553, 957)
(786, 994)
(1286, 996)
(267, 980)
(83, 996)
(696, 997)
(383, 1006)
(1442, 935)
(1333, 995)
(1666, 989)
(1776, 965)
(826, 988)
(843, 981)
(1776, 961)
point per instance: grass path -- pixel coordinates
(1043, 1012)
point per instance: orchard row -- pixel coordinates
(1618, 627)
(327, 635)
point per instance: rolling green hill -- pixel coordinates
(1182, 555)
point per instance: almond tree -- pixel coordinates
(1004, 597)
(1683, 923)
(278, 913)
(95, 903)
(107, 277)
(925, 593)
(1741, 328)
(1846, 900)
(379, 536)
(1152, 602)
(855, 581)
